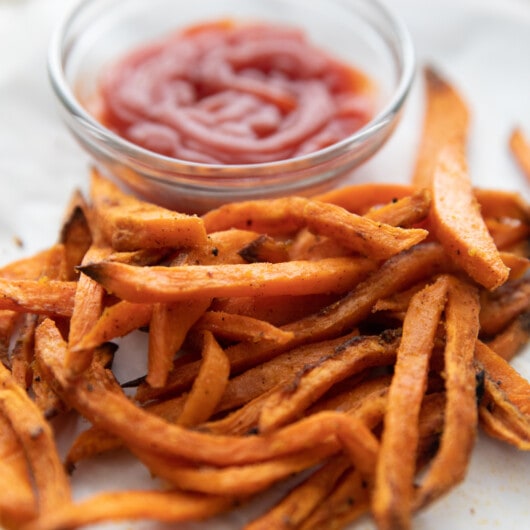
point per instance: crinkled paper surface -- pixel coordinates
(483, 47)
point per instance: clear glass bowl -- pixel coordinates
(96, 32)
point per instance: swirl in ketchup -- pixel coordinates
(229, 93)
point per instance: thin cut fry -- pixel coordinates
(458, 224)
(168, 506)
(129, 223)
(169, 325)
(358, 233)
(36, 436)
(88, 306)
(240, 327)
(513, 338)
(45, 297)
(17, 502)
(361, 352)
(169, 284)
(520, 149)
(209, 386)
(445, 123)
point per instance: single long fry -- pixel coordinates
(360, 234)
(458, 224)
(360, 198)
(209, 385)
(240, 327)
(302, 500)
(169, 284)
(53, 487)
(510, 341)
(167, 506)
(396, 464)
(169, 325)
(520, 149)
(445, 123)
(17, 502)
(45, 297)
(129, 223)
(115, 321)
(88, 306)
(273, 217)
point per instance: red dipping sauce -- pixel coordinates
(229, 93)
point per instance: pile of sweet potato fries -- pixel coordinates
(358, 340)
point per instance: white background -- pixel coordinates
(483, 47)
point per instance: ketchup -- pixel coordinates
(229, 93)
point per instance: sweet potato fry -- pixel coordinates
(360, 234)
(88, 306)
(499, 204)
(360, 198)
(116, 320)
(515, 387)
(290, 402)
(18, 503)
(404, 212)
(504, 406)
(520, 149)
(75, 234)
(274, 217)
(499, 308)
(396, 465)
(462, 325)
(234, 481)
(209, 385)
(303, 499)
(265, 248)
(44, 297)
(513, 338)
(240, 327)
(129, 223)
(168, 327)
(170, 284)
(458, 224)
(133, 505)
(348, 501)
(507, 232)
(36, 436)
(445, 123)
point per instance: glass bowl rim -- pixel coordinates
(162, 163)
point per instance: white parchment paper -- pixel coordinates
(483, 47)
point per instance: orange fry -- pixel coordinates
(240, 327)
(167, 506)
(129, 223)
(116, 321)
(209, 385)
(360, 234)
(360, 198)
(458, 224)
(169, 284)
(445, 123)
(168, 327)
(520, 149)
(36, 436)
(17, 502)
(45, 297)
